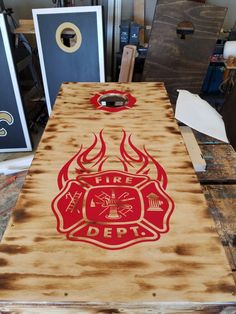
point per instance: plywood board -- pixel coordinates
(14, 135)
(182, 63)
(111, 209)
(69, 59)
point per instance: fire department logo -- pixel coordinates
(112, 209)
(113, 101)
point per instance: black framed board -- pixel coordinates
(14, 134)
(70, 46)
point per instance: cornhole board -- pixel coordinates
(14, 134)
(111, 215)
(182, 63)
(65, 59)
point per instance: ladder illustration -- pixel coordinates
(73, 202)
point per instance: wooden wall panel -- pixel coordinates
(182, 63)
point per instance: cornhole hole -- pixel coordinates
(14, 134)
(70, 46)
(111, 213)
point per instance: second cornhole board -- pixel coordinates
(81, 58)
(112, 211)
(181, 61)
(14, 133)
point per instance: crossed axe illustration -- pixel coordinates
(5, 117)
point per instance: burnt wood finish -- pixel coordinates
(188, 264)
(221, 164)
(182, 63)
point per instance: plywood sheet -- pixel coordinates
(182, 63)
(145, 251)
(14, 135)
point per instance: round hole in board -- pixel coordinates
(113, 100)
(68, 37)
(185, 28)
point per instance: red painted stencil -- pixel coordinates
(112, 209)
(113, 101)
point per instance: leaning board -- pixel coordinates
(14, 134)
(182, 63)
(70, 45)
(111, 209)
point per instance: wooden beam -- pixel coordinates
(127, 64)
(193, 149)
(139, 17)
(25, 27)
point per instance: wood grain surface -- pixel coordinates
(221, 164)
(222, 205)
(182, 63)
(115, 308)
(38, 264)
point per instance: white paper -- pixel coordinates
(16, 165)
(199, 115)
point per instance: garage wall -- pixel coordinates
(22, 9)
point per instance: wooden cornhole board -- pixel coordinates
(112, 211)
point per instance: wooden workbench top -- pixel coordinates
(135, 253)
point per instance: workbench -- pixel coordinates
(108, 264)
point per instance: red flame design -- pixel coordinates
(84, 162)
(140, 163)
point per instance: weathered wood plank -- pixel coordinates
(113, 308)
(221, 164)
(10, 188)
(182, 63)
(222, 205)
(39, 264)
(205, 139)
